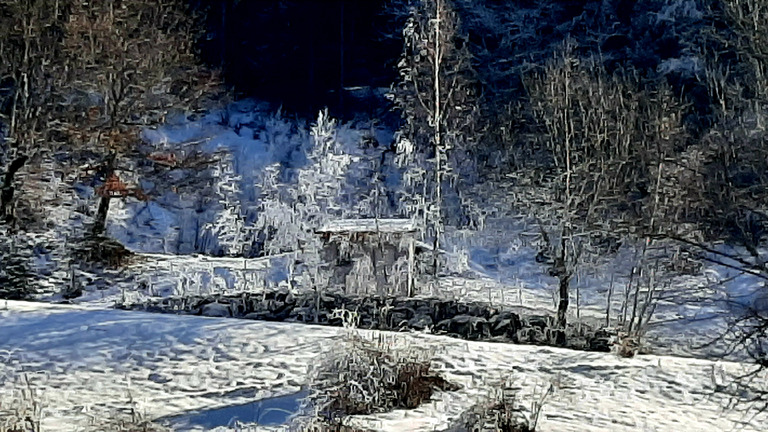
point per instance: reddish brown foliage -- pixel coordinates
(116, 188)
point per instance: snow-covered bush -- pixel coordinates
(508, 408)
(372, 375)
(290, 213)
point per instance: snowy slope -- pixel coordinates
(216, 212)
(85, 363)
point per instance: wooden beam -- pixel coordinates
(410, 266)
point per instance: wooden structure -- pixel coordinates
(386, 246)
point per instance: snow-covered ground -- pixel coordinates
(87, 363)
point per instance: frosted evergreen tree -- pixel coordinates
(290, 213)
(321, 182)
(227, 233)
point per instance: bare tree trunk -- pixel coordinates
(101, 215)
(565, 264)
(562, 308)
(564, 278)
(438, 145)
(608, 303)
(7, 190)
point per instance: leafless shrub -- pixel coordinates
(102, 251)
(320, 425)
(128, 422)
(16, 273)
(506, 410)
(372, 374)
(31, 68)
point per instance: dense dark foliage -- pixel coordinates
(303, 54)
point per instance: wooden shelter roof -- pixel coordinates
(352, 226)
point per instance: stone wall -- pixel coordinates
(472, 321)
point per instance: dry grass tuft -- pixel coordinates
(506, 410)
(627, 345)
(373, 374)
(127, 418)
(23, 412)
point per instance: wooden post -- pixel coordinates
(410, 266)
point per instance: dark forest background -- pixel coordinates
(303, 54)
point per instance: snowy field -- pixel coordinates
(89, 363)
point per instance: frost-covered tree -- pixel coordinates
(227, 232)
(436, 96)
(747, 19)
(81, 77)
(135, 61)
(733, 182)
(320, 183)
(597, 170)
(291, 212)
(277, 226)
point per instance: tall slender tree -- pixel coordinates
(439, 105)
(599, 151)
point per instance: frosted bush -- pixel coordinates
(457, 261)
(362, 278)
